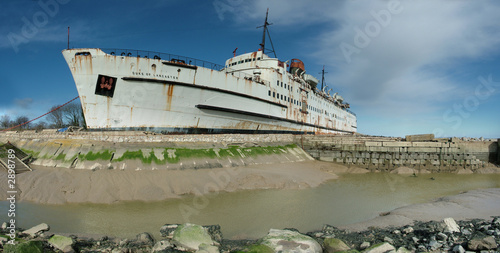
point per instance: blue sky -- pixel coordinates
(406, 67)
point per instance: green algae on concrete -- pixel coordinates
(170, 155)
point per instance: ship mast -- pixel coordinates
(323, 77)
(266, 30)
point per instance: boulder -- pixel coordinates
(145, 238)
(62, 243)
(191, 236)
(380, 248)
(482, 243)
(332, 245)
(290, 241)
(451, 226)
(38, 229)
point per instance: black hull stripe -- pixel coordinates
(223, 109)
(138, 79)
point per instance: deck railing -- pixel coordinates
(162, 56)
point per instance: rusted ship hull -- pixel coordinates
(164, 93)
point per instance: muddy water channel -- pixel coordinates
(250, 214)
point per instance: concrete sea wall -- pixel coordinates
(139, 150)
(386, 154)
(132, 149)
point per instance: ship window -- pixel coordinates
(247, 60)
(281, 96)
(285, 98)
(277, 95)
(277, 83)
(281, 84)
(258, 58)
(269, 93)
(285, 85)
(288, 99)
(274, 93)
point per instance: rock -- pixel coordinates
(63, 243)
(459, 249)
(34, 231)
(389, 240)
(415, 239)
(482, 243)
(332, 245)
(214, 232)
(403, 250)
(145, 238)
(422, 248)
(168, 230)
(161, 246)
(205, 248)
(396, 232)
(451, 226)
(441, 236)
(290, 241)
(466, 232)
(191, 236)
(4, 225)
(30, 246)
(408, 230)
(364, 245)
(434, 245)
(380, 248)
(318, 235)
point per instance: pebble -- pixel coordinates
(441, 236)
(364, 245)
(389, 240)
(459, 249)
(408, 230)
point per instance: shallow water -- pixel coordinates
(250, 214)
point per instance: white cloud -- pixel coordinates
(405, 65)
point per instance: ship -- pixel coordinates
(121, 89)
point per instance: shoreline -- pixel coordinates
(437, 230)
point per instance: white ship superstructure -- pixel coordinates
(150, 91)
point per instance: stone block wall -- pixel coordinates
(386, 154)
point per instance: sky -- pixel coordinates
(405, 67)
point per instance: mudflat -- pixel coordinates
(61, 185)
